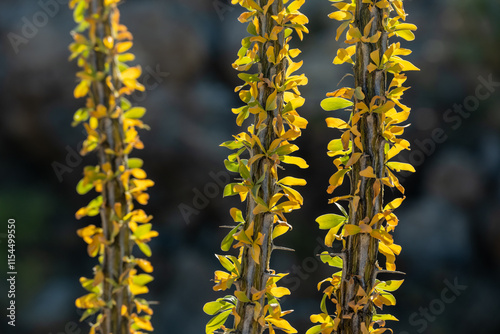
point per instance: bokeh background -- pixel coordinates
(449, 224)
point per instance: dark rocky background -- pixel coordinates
(449, 225)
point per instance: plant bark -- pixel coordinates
(362, 249)
(255, 275)
(112, 137)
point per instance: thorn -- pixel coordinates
(271, 275)
(227, 226)
(283, 248)
(341, 255)
(389, 272)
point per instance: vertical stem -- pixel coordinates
(113, 193)
(362, 249)
(256, 274)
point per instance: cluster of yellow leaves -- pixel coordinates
(281, 104)
(393, 113)
(105, 90)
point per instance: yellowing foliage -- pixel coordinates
(272, 97)
(350, 151)
(100, 48)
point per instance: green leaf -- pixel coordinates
(390, 285)
(81, 115)
(212, 308)
(341, 208)
(314, 330)
(323, 304)
(219, 305)
(135, 163)
(88, 313)
(135, 112)
(242, 297)
(94, 206)
(358, 93)
(228, 190)
(244, 171)
(125, 104)
(231, 166)
(248, 77)
(228, 240)
(225, 263)
(83, 189)
(331, 261)
(232, 144)
(142, 230)
(335, 145)
(79, 12)
(144, 247)
(329, 221)
(142, 279)
(335, 103)
(217, 322)
(251, 29)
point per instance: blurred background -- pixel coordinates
(449, 224)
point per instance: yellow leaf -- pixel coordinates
(292, 181)
(143, 323)
(108, 42)
(337, 179)
(282, 324)
(271, 101)
(123, 47)
(139, 173)
(280, 230)
(81, 89)
(405, 65)
(368, 172)
(137, 289)
(145, 265)
(294, 67)
(400, 166)
(295, 161)
(405, 34)
(344, 55)
(270, 54)
(131, 73)
(295, 6)
(340, 15)
(336, 123)
(255, 253)
(389, 254)
(394, 204)
(279, 292)
(350, 229)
